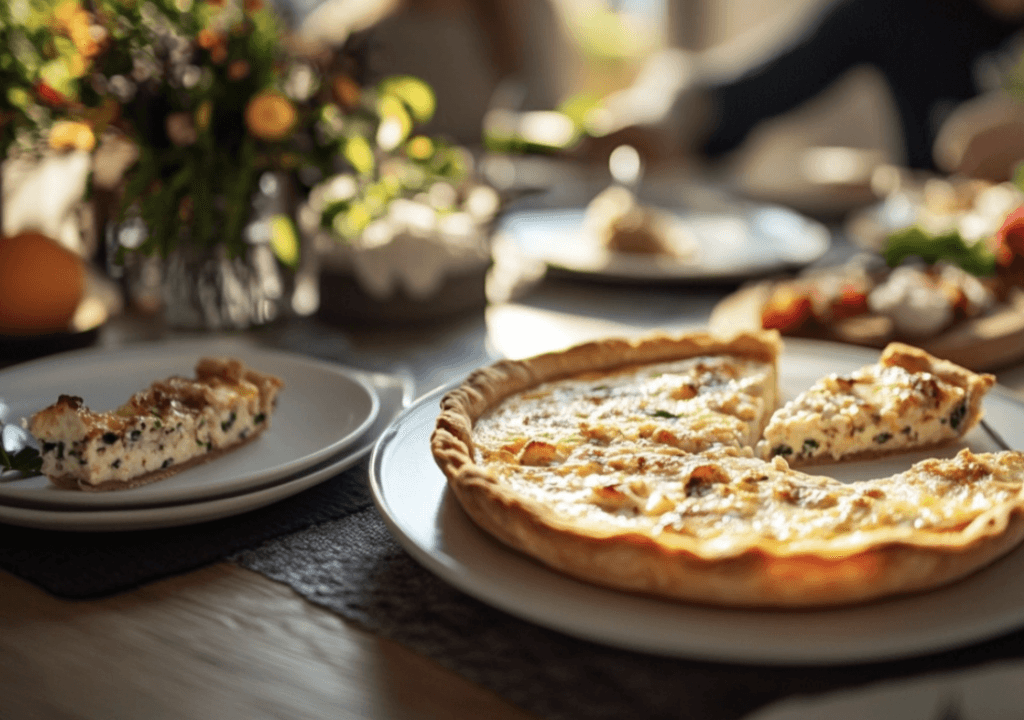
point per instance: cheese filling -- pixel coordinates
(731, 500)
(690, 405)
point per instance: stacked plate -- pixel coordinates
(327, 419)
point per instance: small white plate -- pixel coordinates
(395, 394)
(322, 409)
(411, 494)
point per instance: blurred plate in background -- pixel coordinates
(733, 240)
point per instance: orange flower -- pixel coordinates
(72, 20)
(71, 135)
(270, 116)
(1010, 238)
(64, 13)
(238, 70)
(346, 91)
(207, 38)
(49, 96)
(213, 42)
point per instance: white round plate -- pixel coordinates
(394, 394)
(412, 496)
(322, 409)
(744, 242)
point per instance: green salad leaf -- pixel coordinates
(914, 241)
(27, 461)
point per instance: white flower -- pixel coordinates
(180, 129)
(122, 88)
(301, 82)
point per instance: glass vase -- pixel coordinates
(206, 288)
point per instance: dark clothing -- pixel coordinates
(925, 49)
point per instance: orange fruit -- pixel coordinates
(41, 284)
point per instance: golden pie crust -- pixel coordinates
(722, 526)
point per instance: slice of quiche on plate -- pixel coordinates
(908, 400)
(170, 426)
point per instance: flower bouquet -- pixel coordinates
(211, 99)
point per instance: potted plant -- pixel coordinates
(400, 224)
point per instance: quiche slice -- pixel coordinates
(172, 425)
(710, 522)
(908, 400)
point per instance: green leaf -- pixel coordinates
(579, 108)
(284, 240)
(332, 211)
(359, 154)
(27, 461)
(57, 75)
(415, 94)
(395, 125)
(950, 247)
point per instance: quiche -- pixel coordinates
(173, 424)
(631, 465)
(908, 400)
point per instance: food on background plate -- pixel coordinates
(908, 400)
(622, 463)
(914, 301)
(969, 208)
(974, 321)
(946, 273)
(621, 224)
(172, 425)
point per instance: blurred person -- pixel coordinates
(929, 53)
(464, 49)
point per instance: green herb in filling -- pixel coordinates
(957, 416)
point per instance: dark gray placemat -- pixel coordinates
(87, 565)
(354, 567)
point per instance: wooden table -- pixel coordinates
(224, 642)
(221, 642)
